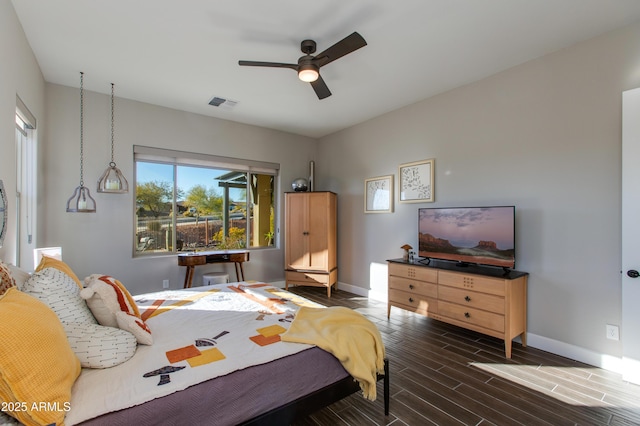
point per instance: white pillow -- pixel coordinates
(135, 326)
(61, 293)
(19, 275)
(97, 346)
(112, 305)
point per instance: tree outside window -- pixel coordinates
(186, 208)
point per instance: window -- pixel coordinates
(195, 202)
(26, 190)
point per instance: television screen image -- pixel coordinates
(479, 235)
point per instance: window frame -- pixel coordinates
(177, 159)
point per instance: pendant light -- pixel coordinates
(112, 180)
(81, 200)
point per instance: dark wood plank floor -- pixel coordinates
(445, 375)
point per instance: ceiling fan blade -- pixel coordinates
(268, 64)
(321, 88)
(343, 47)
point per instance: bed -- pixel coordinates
(217, 357)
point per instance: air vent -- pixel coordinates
(222, 102)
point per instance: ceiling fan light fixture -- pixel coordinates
(308, 73)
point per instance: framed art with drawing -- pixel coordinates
(416, 181)
(378, 194)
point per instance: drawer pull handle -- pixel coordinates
(467, 315)
(411, 286)
(467, 298)
(411, 300)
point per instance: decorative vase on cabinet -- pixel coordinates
(311, 239)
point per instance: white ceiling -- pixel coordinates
(181, 53)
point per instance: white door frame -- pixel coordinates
(630, 331)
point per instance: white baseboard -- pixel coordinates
(631, 370)
(607, 362)
(353, 289)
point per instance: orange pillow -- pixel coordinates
(50, 262)
(37, 364)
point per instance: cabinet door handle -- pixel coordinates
(411, 286)
(467, 298)
(467, 315)
(411, 300)
(305, 233)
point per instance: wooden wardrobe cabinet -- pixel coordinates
(311, 239)
(484, 299)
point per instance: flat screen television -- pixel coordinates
(478, 235)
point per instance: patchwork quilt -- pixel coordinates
(198, 334)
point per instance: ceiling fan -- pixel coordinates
(308, 67)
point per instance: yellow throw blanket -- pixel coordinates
(348, 335)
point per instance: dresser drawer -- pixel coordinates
(472, 282)
(413, 286)
(472, 299)
(471, 316)
(413, 272)
(310, 278)
(413, 302)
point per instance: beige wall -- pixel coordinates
(544, 136)
(102, 242)
(19, 75)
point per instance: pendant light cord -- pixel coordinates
(81, 129)
(112, 164)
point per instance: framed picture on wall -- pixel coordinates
(378, 194)
(416, 181)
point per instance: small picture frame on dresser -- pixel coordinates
(378, 194)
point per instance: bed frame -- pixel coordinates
(306, 405)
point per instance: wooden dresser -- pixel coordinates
(484, 299)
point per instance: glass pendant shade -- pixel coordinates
(81, 201)
(113, 181)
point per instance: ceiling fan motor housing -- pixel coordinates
(308, 46)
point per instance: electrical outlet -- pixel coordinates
(613, 332)
(165, 284)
